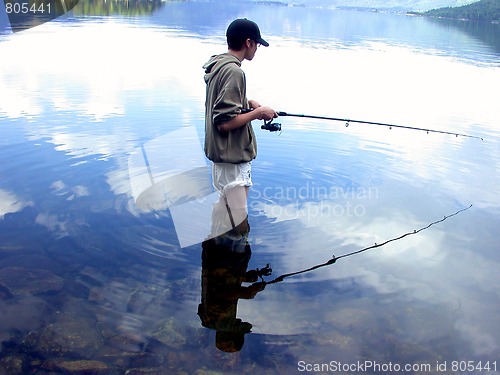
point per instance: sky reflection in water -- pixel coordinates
(71, 121)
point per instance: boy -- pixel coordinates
(229, 138)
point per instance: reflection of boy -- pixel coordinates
(224, 269)
(229, 138)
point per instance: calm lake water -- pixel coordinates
(97, 109)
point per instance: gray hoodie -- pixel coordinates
(225, 98)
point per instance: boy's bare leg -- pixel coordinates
(236, 199)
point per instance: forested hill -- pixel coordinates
(391, 5)
(483, 10)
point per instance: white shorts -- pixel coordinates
(226, 176)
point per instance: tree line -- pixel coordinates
(483, 10)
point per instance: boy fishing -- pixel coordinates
(229, 137)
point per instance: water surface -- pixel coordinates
(87, 274)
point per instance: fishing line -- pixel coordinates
(334, 258)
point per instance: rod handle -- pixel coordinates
(280, 113)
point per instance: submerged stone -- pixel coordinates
(12, 365)
(145, 371)
(23, 281)
(22, 314)
(29, 261)
(78, 367)
(352, 319)
(169, 334)
(78, 337)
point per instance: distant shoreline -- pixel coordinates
(423, 14)
(481, 11)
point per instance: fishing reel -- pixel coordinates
(271, 126)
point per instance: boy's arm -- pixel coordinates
(260, 113)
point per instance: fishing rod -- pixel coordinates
(274, 126)
(334, 258)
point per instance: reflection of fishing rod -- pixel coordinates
(334, 258)
(272, 127)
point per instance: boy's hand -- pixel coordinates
(254, 104)
(265, 113)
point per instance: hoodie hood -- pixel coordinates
(216, 62)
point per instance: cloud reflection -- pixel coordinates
(434, 267)
(10, 203)
(104, 70)
(100, 61)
